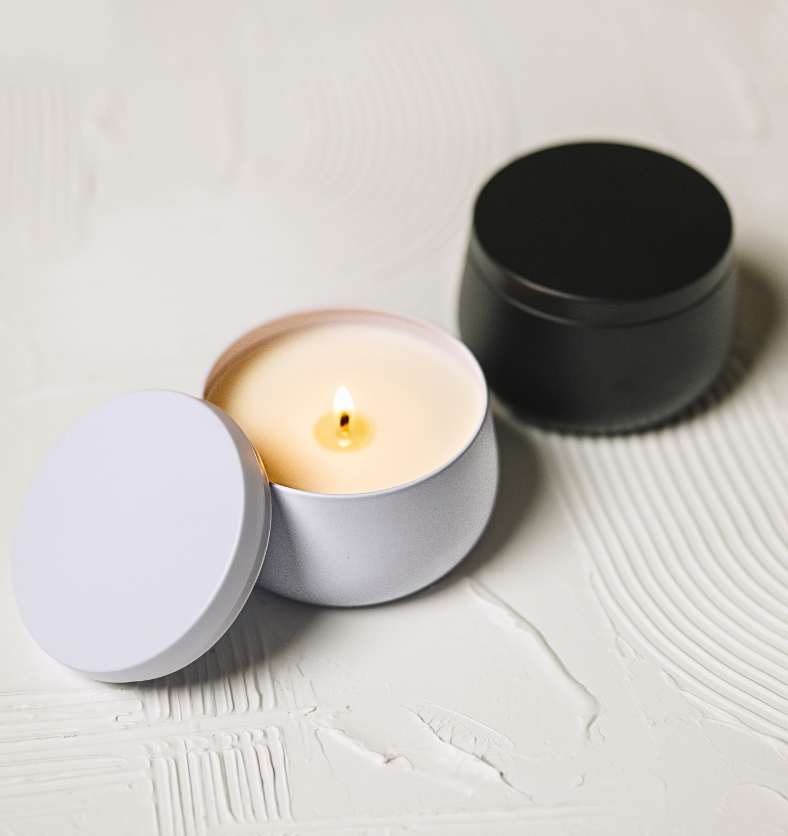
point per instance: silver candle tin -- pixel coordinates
(355, 549)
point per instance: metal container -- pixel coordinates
(599, 292)
(354, 549)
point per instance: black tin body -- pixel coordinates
(599, 363)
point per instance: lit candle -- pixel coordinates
(376, 434)
(342, 457)
(349, 405)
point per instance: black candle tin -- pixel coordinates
(599, 293)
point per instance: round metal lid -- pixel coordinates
(141, 536)
(601, 233)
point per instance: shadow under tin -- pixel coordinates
(599, 292)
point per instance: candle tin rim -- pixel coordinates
(233, 351)
(589, 309)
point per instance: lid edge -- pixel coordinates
(589, 310)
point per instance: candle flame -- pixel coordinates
(343, 402)
(343, 430)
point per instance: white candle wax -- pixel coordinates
(418, 394)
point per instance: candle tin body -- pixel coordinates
(366, 548)
(355, 549)
(599, 292)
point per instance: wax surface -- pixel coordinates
(423, 403)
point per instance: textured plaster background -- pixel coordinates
(613, 656)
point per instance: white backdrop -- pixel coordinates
(613, 657)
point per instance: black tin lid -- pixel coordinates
(601, 233)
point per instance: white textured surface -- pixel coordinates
(613, 657)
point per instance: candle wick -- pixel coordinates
(344, 420)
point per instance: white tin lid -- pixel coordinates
(141, 536)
